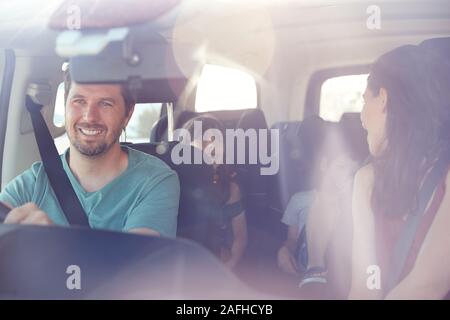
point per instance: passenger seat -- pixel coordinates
(158, 133)
(262, 224)
(254, 185)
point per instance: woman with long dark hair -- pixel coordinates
(406, 115)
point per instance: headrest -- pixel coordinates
(184, 117)
(253, 118)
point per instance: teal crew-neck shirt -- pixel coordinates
(145, 195)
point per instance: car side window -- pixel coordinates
(58, 114)
(138, 129)
(144, 116)
(339, 95)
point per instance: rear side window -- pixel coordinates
(144, 116)
(58, 114)
(339, 95)
(138, 128)
(222, 88)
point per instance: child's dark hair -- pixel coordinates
(224, 174)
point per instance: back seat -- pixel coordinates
(289, 178)
(352, 131)
(255, 188)
(293, 176)
(253, 184)
(258, 192)
(229, 118)
(158, 133)
(196, 180)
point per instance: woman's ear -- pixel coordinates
(383, 96)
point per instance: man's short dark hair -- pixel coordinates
(127, 95)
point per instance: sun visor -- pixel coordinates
(122, 55)
(121, 61)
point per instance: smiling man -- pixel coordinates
(119, 188)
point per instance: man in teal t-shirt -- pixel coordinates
(119, 188)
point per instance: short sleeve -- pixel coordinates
(20, 190)
(158, 210)
(297, 208)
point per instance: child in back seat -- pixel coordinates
(227, 224)
(330, 164)
(310, 134)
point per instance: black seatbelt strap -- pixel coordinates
(59, 181)
(403, 246)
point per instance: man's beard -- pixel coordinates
(94, 149)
